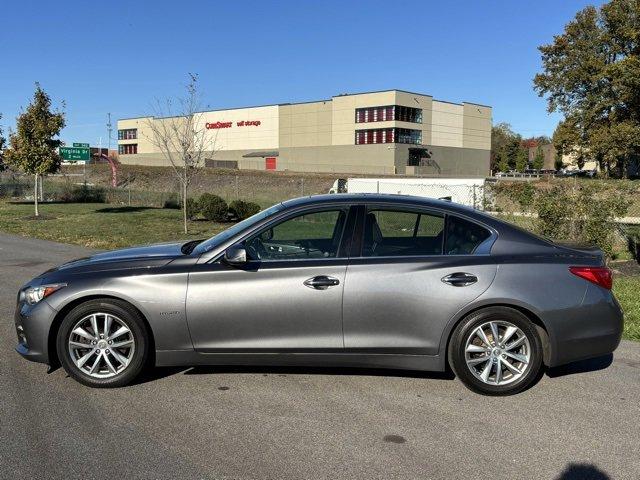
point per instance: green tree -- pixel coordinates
(501, 136)
(538, 160)
(522, 159)
(591, 74)
(511, 151)
(32, 148)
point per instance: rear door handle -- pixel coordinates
(460, 279)
(321, 282)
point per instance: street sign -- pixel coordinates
(75, 153)
(85, 145)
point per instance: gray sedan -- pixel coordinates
(383, 281)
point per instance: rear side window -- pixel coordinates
(463, 237)
(397, 233)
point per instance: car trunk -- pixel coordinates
(582, 250)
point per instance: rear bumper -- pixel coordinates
(597, 332)
(33, 324)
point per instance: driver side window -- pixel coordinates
(311, 235)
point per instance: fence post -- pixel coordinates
(474, 197)
(302, 187)
(129, 186)
(237, 189)
(378, 186)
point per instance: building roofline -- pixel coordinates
(478, 104)
(310, 101)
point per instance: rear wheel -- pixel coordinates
(496, 351)
(103, 343)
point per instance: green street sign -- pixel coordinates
(74, 153)
(85, 145)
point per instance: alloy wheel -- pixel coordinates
(101, 345)
(497, 352)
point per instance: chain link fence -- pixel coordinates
(153, 187)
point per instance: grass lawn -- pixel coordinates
(99, 225)
(627, 291)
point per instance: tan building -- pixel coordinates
(386, 132)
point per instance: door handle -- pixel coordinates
(322, 282)
(460, 279)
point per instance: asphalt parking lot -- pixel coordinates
(580, 422)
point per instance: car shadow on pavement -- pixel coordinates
(294, 370)
(582, 471)
(583, 366)
(151, 374)
(157, 373)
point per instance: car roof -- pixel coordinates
(382, 198)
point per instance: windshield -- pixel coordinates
(222, 237)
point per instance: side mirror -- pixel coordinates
(235, 255)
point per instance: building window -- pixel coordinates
(388, 135)
(388, 113)
(129, 149)
(128, 134)
(405, 135)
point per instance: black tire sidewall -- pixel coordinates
(127, 314)
(474, 320)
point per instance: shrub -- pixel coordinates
(82, 194)
(583, 212)
(192, 205)
(192, 208)
(580, 211)
(241, 209)
(171, 202)
(213, 208)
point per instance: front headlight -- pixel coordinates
(33, 295)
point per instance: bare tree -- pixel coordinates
(178, 131)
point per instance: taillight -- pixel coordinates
(599, 275)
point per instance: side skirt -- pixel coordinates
(180, 358)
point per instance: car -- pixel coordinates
(357, 280)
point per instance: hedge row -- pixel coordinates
(214, 208)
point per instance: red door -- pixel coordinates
(270, 163)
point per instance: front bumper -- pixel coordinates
(33, 323)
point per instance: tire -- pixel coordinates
(468, 351)
(108, 360)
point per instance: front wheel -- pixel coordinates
(496, 351)
(102, 343)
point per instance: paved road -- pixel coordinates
(255, 423)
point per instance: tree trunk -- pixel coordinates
(184, 205)
(35, 194)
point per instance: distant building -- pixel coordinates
(386, 132)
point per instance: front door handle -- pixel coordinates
(460, 279)
(322, 282)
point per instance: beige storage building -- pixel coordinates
(387, 132)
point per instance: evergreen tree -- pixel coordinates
(538, 160)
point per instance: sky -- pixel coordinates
(119, 57)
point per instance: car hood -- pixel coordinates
(135, 257)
